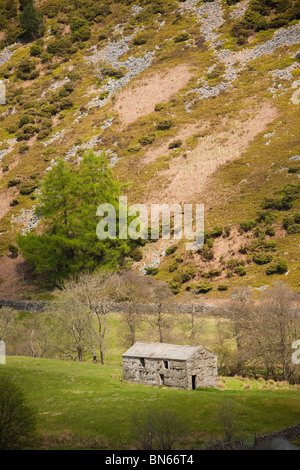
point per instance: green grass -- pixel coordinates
(83, 402)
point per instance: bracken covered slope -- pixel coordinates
(193, 102)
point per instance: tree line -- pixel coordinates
(250, 337)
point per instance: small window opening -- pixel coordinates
(166, 364)
(142, 360)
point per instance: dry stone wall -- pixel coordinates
(112, 307)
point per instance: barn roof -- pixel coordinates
(163, 351)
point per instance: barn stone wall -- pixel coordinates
(204, 365)
(174, 376)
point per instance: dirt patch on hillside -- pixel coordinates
(187, 175)
(13, 272)
(140, 98)
(6, 197)
(184, 133)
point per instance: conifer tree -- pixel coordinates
(68, 204)
(32, 21)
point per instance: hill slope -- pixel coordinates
(225, 78)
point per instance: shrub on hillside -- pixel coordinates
(82, 34)
(66, 103)
(175, 144)
(26, 132)
(61, 46)
(27, 188)
(35, 50)
(262, 258)
(26, 119)
(147, 139)
(297, 218)
(214, 273)
(151, 271)
(232, 263)
(284, 203)
(43, 134)
(215, 232)
(48, 109)
(181, 37)
(270, 231)
(278, 267)
(293, 229)
(226, 231)
(108, 70)
(136, 254)
(164, 124)
(171, 249)
(26, 70)
(209, 242)
(159, 106)
(185, 276)
(232, 2)
(172, 267)
(240, 271)
(263, 15)
(222, 287)
(206, 253)
(23, 148)
(246, 226)
(204, 287)
(139, 39)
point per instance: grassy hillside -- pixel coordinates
(86, 405)
(193, 102)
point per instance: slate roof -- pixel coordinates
(163, 351)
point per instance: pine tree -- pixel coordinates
(56, 200)
(32, 21)
(68, 204)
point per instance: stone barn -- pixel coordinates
(187, 367)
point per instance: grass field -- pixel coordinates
(87, 405)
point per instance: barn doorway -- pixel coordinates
(194, 380)
(162, 379)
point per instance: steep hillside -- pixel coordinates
(193, 102)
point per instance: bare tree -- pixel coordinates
(196, 321)
(168, 429)
(72, 321)
(229, 419)
(160, 294)
(95, 291)
(43, 338)
(263, 333)
(8, 320)
(275, 325)
(161, 429)
(144, 430)
(133, 290)
(238, 313)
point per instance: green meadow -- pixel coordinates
(83, 405)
